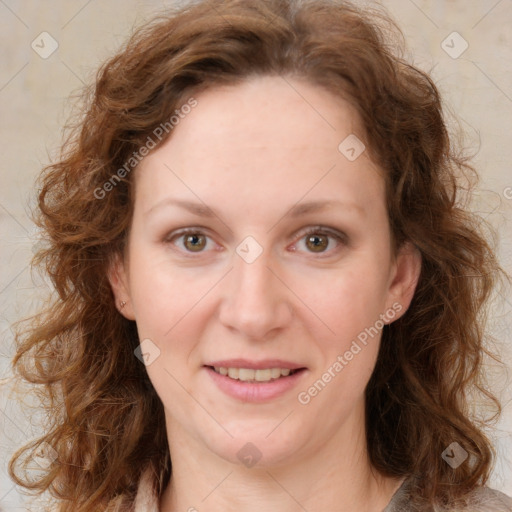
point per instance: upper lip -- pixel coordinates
(255, 365)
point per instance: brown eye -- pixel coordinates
(317, 242)
(322, 241)
(189, 241)
(194, 242)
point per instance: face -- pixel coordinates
(257, 245)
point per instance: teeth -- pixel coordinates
(263, 375)
(275, 373)
(248, 374)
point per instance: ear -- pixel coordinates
(404, 279)
(118, 278)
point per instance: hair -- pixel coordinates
(105, 420)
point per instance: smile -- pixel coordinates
(255, 384)
(252, 375)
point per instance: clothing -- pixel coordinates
(481, 500)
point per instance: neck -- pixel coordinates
(335, 475)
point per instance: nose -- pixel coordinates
(256, 302)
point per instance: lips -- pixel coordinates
(255, 381)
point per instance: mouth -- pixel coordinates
(252, 375)
(249, 380)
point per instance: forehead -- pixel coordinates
(266, 137)
(277, 111)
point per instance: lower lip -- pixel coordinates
(255, 391)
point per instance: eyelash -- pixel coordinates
(341, 238)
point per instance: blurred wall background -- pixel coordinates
(50, 49)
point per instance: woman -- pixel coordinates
(270, 296)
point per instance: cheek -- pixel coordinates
(353, 299)
(162, 295)
(167, 305)
(352, 308)
(171, 309)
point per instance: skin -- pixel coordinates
(250, 152)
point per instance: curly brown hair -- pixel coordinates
(106, 422)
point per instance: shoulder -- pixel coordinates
(485, 499)
(481, 499)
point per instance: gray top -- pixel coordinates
(482, 499)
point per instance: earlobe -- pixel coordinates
(406, 277)
(118, 279)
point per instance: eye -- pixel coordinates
(320, 240)
(193, 240)
(316, 239)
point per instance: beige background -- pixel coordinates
(33, 92)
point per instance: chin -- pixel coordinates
(252, 447)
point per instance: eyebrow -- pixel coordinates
(202, 210)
